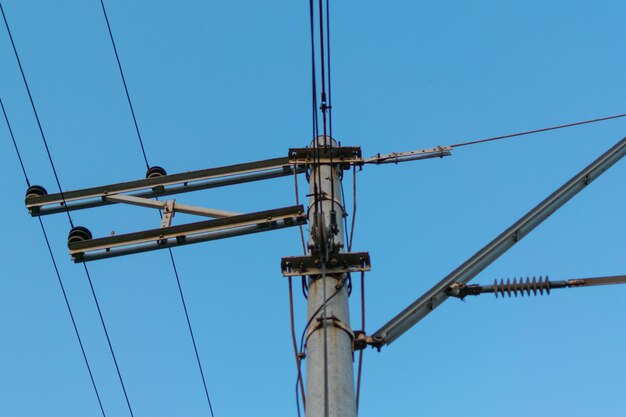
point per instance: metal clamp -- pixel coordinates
(339, 263)
(335, 322)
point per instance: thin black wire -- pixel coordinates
(106, 333)
(130, 103)
(19, 156)
(69, 309)
(143, 150)
(65, 205)
(326, 301)
(32, 103)
(545, 129)
(193, 339)
(330, 96)
(56, 270)
(360, 367)
(299, 381)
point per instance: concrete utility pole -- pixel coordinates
(330, 374)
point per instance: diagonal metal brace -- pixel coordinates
(492, 251)
(177, 207)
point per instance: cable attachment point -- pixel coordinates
(503, 288)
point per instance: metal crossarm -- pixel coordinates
(483, 258)
(162, 186)
(343, 155)
(167, 237)
(339, 263)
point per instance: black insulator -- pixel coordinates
(155, 172)
(522, 286)
(35, 191)
(79, 234)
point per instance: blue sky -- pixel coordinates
(217, 83)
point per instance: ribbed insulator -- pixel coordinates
(522, 287)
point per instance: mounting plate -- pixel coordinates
(339, 263)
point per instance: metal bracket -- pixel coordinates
(361, 341)
(342, 155)
(168, 213)
(396, 157)
(334, 321)
(339, 263)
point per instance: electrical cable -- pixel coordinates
(65, 205)
(19, 156)
(32, 103)
(295, 348)
(56, 270)
(291, 310)
(353, 208)
(106, 333)
(360, 366)
(119, 65)
(545, 129)
(193, 339)
(175, 269)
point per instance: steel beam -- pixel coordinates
(162, 186)
(165, 237)
(484, 257)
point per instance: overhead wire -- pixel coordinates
(17, 151)
(545, 129)
(171, 254)
(43, 136)
(56, 270)
(32, 103)
(119, 65)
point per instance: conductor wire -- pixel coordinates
(43, 136)
(56, 270)
(545, 129)
(130, 103)
(32, 103)
(171, 254)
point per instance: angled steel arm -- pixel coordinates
(171, 236)
(162, 186)
(470, 268)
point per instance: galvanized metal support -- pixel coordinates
(185, 234)
(492, 251)
(329, 376)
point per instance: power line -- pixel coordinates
(175, 269)
(545, 129)
(65, 205)
(130, 103)
(193, 339)
(19, 156)
(106, 333)
(32, 103)
(56, 270)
